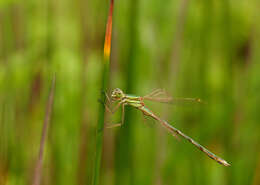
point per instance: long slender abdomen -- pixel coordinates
(174, 131)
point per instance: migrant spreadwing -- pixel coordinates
(137, 102)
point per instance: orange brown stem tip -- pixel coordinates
(107, 45)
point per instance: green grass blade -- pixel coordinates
(105, 77)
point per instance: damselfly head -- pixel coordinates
(117, 94)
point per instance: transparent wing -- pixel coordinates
(160, 95)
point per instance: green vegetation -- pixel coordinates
(199, 49)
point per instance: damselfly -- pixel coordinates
(137, 102)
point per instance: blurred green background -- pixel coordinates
(206, 48)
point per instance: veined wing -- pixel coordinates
(160, 95)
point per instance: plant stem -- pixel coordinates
(38, 168)
(105, 79)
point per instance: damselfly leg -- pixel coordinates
(113, 110)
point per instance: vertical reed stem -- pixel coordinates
(105, 79)
(38, 168)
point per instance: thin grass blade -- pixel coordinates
(102, 109)
(38, 168)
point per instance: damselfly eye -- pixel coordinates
(117, 94)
